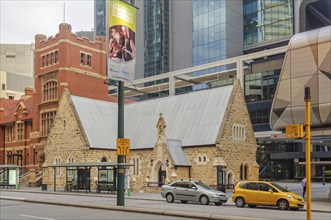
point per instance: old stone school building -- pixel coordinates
(205, 135)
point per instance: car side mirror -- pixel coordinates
(271, 191)
(194, 187)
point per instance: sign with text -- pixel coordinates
(123, 146)
(121, 50)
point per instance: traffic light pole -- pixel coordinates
(308, 174)
(120, 158)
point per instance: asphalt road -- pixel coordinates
(224, 210)
(34, 211)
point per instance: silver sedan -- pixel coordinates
(190, 190)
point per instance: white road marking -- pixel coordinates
(7, 197)
(31, 216)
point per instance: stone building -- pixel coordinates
(201, 135)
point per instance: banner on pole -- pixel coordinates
(121, 50)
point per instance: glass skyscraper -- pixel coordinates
(156, 37)
(267, 20)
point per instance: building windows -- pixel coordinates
(85, 59)
(244, 171)
(56, 59)
(202, 159)
(50, 59)
(266, 20)
(20, 131)
(82, 59)
(52, 56)
(47, 59)
(135, 169)
(238, 132)
(9, 133)
(88, 61)
(47, 120)
(57, 169)
(10, 157)
(50, 91)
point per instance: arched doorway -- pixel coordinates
(159, 173)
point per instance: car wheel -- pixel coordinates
(282, 204)
(240, 202)
(217, 203)
(204, 200)
(183, 201)
(252, 206)
(170, 198)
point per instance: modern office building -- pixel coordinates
(13, 85)
(16, 69)
(17, 58)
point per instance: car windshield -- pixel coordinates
(279, 187)
(201, 184)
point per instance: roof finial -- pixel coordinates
(161, 114)
(64, 12)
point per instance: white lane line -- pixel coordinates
(31, 216)
(8, 197)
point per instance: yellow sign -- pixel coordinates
(294, 131)
(123, 146)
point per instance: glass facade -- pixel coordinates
(260, 89)
(209, 40)
(267, 20)
(156, 35)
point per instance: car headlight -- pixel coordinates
(291, 197)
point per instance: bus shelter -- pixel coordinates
(78, 176)
(9, 176)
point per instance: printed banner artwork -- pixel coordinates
(121, 50)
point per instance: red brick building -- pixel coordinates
(62, 61)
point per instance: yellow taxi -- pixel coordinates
(255, 193)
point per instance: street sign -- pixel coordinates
(123, 146)
(294, 131)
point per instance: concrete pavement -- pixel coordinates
(320, 202)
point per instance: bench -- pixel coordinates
(105, 186)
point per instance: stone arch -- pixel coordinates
(230, 177)
(159, 172)
(246, 170)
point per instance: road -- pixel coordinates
(224, 210)
(34, 211)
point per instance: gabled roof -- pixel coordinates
(177, 154)
(194, 118)
(10, 108)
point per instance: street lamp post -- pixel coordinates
(308, 171)
(120, 158)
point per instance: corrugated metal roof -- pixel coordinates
(177, 154)
(194, 118)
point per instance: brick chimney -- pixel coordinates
(28, 92)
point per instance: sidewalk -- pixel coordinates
(319, 201)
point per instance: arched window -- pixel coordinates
(103, 159)
(137, 166)
(50, 91)
(57, 169)
(204, 159)
(241, 171)
(199, 159)
(246, 171)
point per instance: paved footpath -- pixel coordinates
(320, 202)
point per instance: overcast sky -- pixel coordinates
(21, 20)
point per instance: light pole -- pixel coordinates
(308, 171)
(120, 158)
